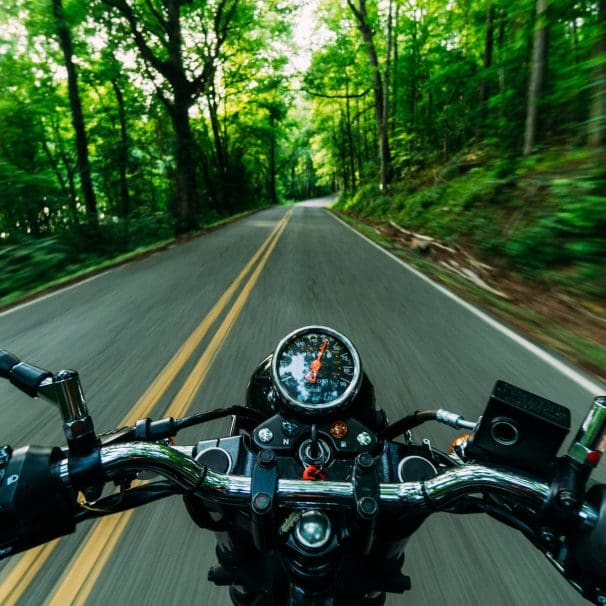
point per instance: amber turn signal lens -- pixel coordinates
(338, 430)
(458, 441)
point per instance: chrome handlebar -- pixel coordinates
(420, 497)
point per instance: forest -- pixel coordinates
(129, 122)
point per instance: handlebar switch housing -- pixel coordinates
(5, 455)
(35, 506)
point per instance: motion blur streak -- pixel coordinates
(77, 583)
(104, 538)
(22, 570)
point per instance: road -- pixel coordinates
(122, 328)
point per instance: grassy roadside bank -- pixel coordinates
(40, 283)
(525, 243)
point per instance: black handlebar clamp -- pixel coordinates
(264, 489)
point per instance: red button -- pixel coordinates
(593, 457)
(311, 472)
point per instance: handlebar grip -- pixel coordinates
(7, 362)
(35, 506)
(28, 378)
(588, 546)
(22, 375)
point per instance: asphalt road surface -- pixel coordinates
(122, 328)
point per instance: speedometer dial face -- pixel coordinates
(316, 369)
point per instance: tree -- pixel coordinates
(537, 75)
(597, 113)
(185, 73)
(332, 81)
(65, 41)
(360, 13)
(487, 63)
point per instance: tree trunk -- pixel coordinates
(339, 139)
(387, 74)
(310, 186)
(352, 159)
(537, 74)
(412, 100)
(55, 166)
(430, 124)
(359, 146)
(187, 191)
(65, 43)
(123, 151)
(380, 116)
(394, 71)
(597, 113)
(220, 155)
(487, 63)
(71, 181)
(574, 37)
(273, 192)
(206, 162)
(500, 43)
(187, 187)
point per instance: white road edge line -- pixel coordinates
(55, 292)
(587, 384)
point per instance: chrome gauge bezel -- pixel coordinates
(314, 409)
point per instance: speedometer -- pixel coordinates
(316, 369)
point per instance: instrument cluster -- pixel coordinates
(316, 370)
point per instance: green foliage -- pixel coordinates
(30, 262)
(570, 231)
(520, 214)
(458, 75)
(257, 139)
(457, 100)
(238, 118)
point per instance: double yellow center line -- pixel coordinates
(77, 582)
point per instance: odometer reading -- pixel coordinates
(316, 368)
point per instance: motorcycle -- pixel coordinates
(313, 494)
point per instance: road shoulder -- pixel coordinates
(577, 337)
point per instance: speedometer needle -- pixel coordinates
(312, 375)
